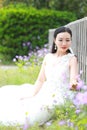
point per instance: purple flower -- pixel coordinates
(55, 101)
(78, 99)
(17, 56)
(26, 58)
(81, 99)
(48, 123)
(28, 43)
(20, 57)
(85, 98)
(78, 111)
(35, 56)
(25, 127)
(69, 123)
(62, 122)
(37, 48)
(80, 85)
(85, 87)
(24, 44)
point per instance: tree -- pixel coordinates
(79, 7)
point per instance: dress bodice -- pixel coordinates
(54, 69)
(58, 70)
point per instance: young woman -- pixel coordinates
(36, 103)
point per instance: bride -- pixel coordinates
(32, 104)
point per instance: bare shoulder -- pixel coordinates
(74, 60)
(49, 55)
(47, 58)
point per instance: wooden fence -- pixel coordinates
(79, 43)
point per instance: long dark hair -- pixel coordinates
(57, 31)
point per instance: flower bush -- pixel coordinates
(34, 57)
(73, 114)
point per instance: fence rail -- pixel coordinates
(79, 43)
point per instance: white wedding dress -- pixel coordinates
(40, 108)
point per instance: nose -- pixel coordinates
(64, 43)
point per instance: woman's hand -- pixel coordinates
(27, 97)
(24, 98)
(73, 85)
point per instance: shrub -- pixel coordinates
(20, 26)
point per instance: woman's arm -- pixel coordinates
(39, 82)
(73, 72)
(41, 78)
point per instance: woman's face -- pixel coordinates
(63, 41)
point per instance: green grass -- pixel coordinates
(19, 75)
(67, 113)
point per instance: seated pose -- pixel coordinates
(28, 103)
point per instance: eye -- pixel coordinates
(67, 40)
(60, 40)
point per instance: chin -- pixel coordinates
(63, 51)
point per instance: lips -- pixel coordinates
(64, 47)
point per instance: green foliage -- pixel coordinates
(20, 24)
(78, 7)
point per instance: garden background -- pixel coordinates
(24, 28)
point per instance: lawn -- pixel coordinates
(68, 117)
(16, 75)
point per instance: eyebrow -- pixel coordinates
(65, 38)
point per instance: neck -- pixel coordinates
(59, 54)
